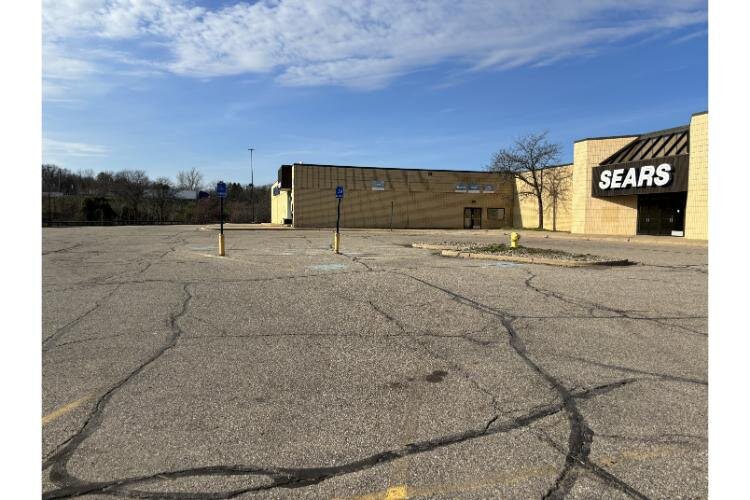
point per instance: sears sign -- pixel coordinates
(662, 175)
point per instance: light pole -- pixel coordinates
(252, 184)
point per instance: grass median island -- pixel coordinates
(501, 251)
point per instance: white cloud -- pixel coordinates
(358, 43)
(54, 148)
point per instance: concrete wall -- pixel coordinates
(616, 215)
(526, 209)
(696, 207)
(409, 199)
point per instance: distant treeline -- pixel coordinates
(130, 197)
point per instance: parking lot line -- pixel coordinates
(64, 409)
(632, 454)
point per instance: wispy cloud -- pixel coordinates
(690, 36)
(360, 43)
(55, 148)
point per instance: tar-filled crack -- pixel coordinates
(280, 477)
(619, 313)
(456, 367)
(54, 338)
(59, 460)
(285, 477)
(581, 436)
(467, 376)
(62, 250)
(60, 332)
(663, 376)
(299, 477)
(361, 262)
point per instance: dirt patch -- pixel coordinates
(522, 251)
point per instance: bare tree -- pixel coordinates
(105, 181)
(50, 176)
(131, 186)
(526, 160)
(557, 188)
(162, 196)
(191, 180)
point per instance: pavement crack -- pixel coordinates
(59, 460)
(387, 316)
(665, 376)
(581, 436)
(619, 313)
(60, 332)
(284, 477)
(62, 250)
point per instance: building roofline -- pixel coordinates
(394, 168)
(643, 134)
(634, 136)
(672, 130)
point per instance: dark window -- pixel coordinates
(285, 177)
(496, 213)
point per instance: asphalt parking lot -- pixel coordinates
(285, 371)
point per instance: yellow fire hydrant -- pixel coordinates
(514, 237)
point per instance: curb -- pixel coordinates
(430, 246)
(532, 260)
(244, 227)
(634, 239)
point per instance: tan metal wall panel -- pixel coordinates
(696, 207)
(589, 215)
(420, 199)
(526, 208)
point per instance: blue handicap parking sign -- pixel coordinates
(339, 192)
(221, 190)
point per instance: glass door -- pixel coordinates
(472, 218)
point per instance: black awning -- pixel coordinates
(670, 142)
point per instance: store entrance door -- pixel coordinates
(472, 218)
(662, 214)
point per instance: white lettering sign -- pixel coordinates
(645, 176)
(663, 174)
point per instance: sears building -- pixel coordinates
(653, 183)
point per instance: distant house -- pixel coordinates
(186, 195)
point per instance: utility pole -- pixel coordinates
(252, 183)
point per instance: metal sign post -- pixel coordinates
(221, 192)
(336, 235)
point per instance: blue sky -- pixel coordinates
(167, 85)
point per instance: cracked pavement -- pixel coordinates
(285, 371)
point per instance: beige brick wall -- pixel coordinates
(616, 215)
(526, 209)
(696, 207)
(416, 198)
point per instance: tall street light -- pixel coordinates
(252, 183)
